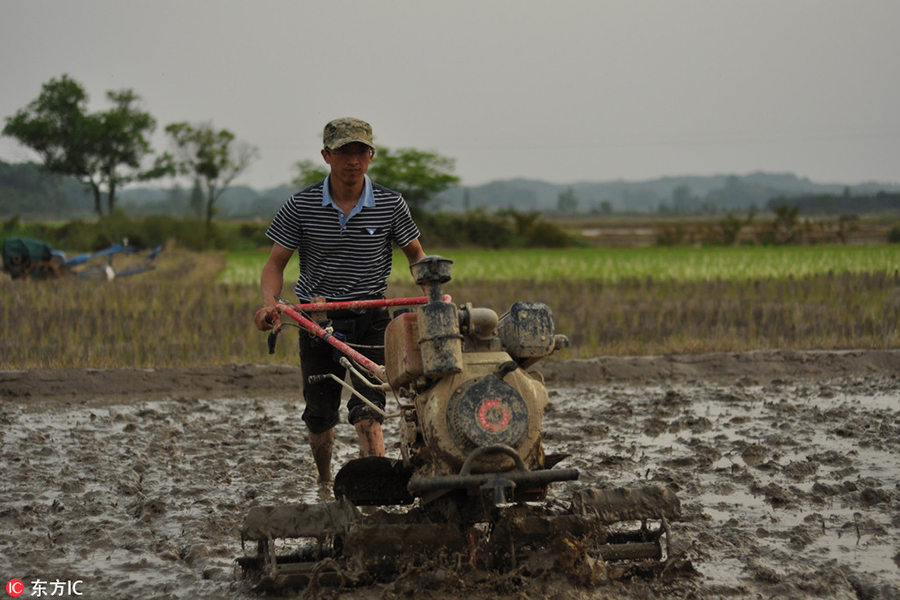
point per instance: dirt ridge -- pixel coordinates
(760, 367)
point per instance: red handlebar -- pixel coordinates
(293, 311)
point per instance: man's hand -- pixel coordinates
(264, 318)
(270, 282)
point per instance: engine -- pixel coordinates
(474, 407)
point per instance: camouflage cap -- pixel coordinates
(341, 132)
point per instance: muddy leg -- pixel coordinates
(322, 444)
(371, 438)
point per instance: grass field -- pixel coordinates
(196, 308)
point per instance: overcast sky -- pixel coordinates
(561, 91)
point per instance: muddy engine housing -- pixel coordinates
(474, 407)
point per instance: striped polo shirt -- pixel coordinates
(343, 258)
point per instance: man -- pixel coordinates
(342, 229)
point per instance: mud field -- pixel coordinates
(787, 465)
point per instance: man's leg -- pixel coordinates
(367, 421)
(323, 401)
(322, 445)
(371, 438)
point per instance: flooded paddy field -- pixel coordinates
(789, 480)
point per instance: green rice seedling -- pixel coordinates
(680, 263)
(615, 264)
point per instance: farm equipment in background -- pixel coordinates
(470, 486)
(29, 258)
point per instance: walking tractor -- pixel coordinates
(470, 487)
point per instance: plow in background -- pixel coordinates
(29, 258)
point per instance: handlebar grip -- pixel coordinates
(317, 378)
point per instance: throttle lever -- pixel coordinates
(273, 335)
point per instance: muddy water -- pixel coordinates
(789, 490)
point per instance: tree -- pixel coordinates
(308, 173)
(197, 201)
(103, 150)
(683, 200)
(606, 208)
(211, 157)
(785, 228)
(418, 175)
(730, 228)
(567, 201)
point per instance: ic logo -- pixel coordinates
(15, 588)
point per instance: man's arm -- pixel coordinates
(413, 251)
(271, 282)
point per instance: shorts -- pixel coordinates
(323, 398)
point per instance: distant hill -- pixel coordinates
(683, 194)
(237, 202)
(25, 190)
